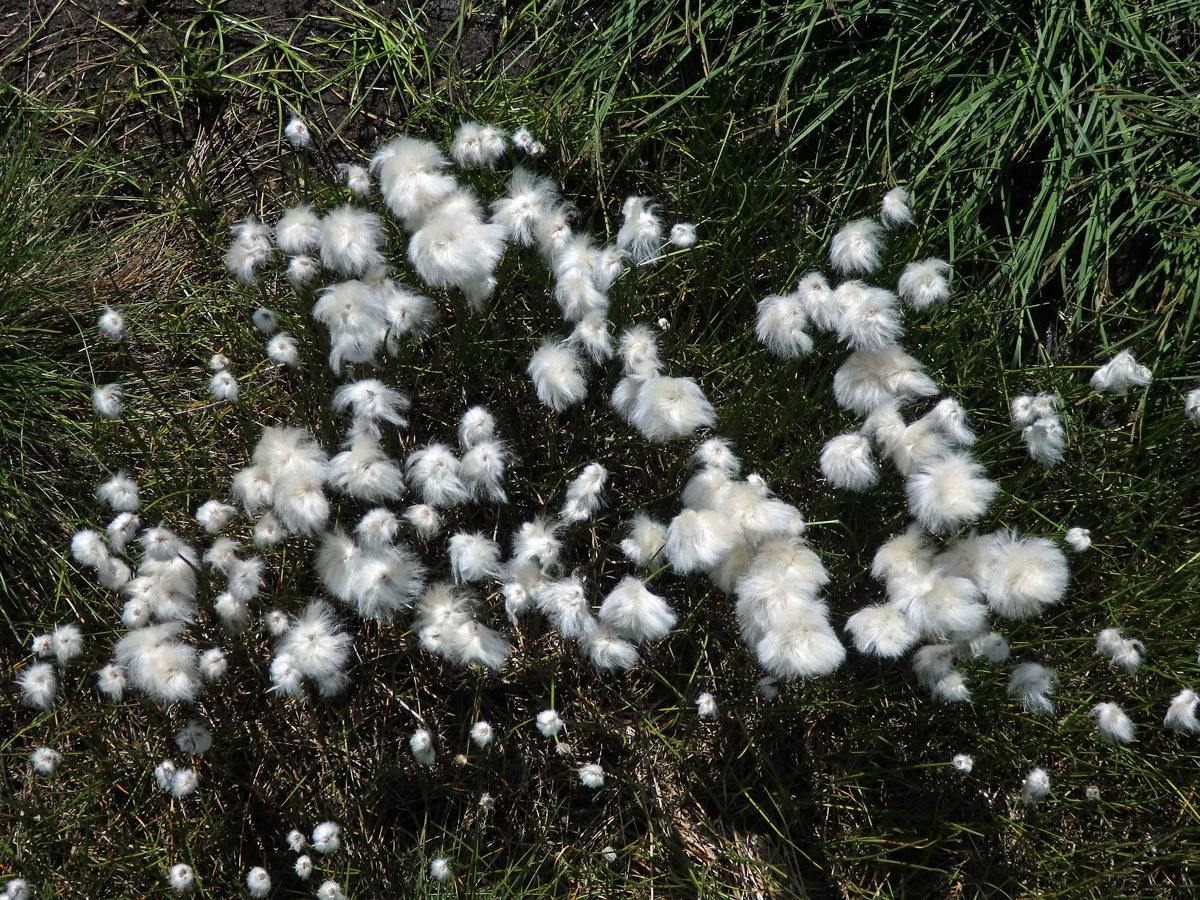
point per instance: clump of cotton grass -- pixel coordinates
(108, 400)
(66, 643)
(478, 145)
(258, 882)
(112, 324)
(223, 385)
(585, 493)
(781, 324)
(251, 248)
(856, 247)
(549, 722)
(45, 760)
(194, 738)
(1181, 713)
(297, 133)
(437, 474)
(213, 515)
(420, 743)
(706, 706)
(949, 492)
(1113, 723)
(327, 837)
(446, 625)
(1045, 439)
(298, 230)
(1191, 405)
(529, 200)
(870, 378)
(591, 776)
(894, 209)
(640, 235)
(181, 878)
(923, 284)
(1025, 576)
(1120, 374)
(1031, 684)
(473, 557)
(439, 869)
(482, 734)
(1122, 652)
(683, 234)
(455, 248)
(1078, 539)
(16, 889)
(303, 867)
(847, 462)
(357, 179)
(869, 317)
(557, 373)
(663, 408)
(287, 475)
(645, 540)
(632, 611)
(963, 762)
(120, 493)
(314, 648)
(110, 681)
(158, 664)
(283, 349)
(1035, 787)
(330, 890)
(350, 239)
(411, 179)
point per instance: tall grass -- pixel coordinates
(1052, 153)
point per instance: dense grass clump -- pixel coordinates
(1051, 152)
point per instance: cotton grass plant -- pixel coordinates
(711, 766)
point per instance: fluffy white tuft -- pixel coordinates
(1035, 787)
(666, 408)
(894, 208)
(298, 231)
(530, 197)
(1026, 575)
(1121, 651)
(327, 837)
(881, 630)
(869, 317)
(107, 400)
(608, 651)
(869, 378)
(1032, 684)
(856, 247)
(112, 324)
(781, 324)
(847, 463)
(923, 284)
(949, 492)
(1181, 714)
(549, 722)
(1078, 539)
(1113, 723)
(437, 473)
(633, 611)
(557, 374)
(683, 234)
(1119, 374)
(591, 776)
(697, 539)
(640, 235)
(478, 145)
(350, 240)
(473, 557)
